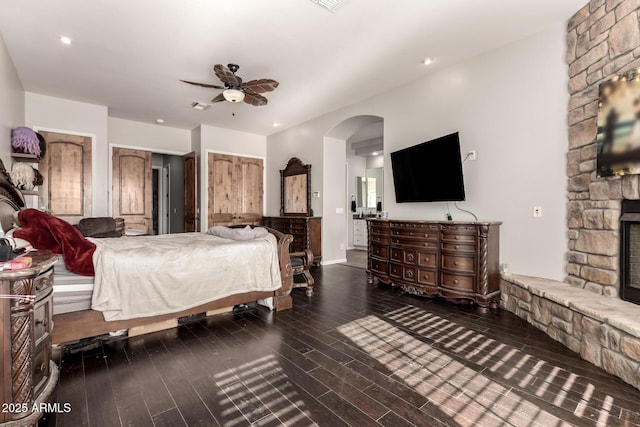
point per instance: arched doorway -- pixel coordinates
(355, 140)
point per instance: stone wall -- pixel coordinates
(605, 333)
(603, 40)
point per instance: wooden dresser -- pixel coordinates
(306, 232)
(29, 376)
(455, 260)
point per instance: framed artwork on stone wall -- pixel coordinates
(618, 137)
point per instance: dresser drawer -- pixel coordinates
(464, 264)
(427, 259)
(378, 266)
(459, 229)
(458, 282)
(428, 232)
(459, 234)
(426, 277)
(381, 227)
(396, 254)
(403, 272)
(41, 367)
(395, 270)
(44, 281)
(414, 242)
(42, 316)
(379, 251)
(378, 238)
(459, 246)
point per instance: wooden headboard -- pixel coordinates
(11, 201)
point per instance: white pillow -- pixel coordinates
(246, 233)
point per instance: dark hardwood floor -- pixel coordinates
(351, 354)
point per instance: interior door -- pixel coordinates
(132, 188)
(235, 191)
(190, 192)
(222, 191)
(66, 171)
(250, 190)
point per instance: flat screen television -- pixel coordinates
(429, 172)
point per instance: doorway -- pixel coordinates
(167, 193)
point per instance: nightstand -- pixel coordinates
(28, 374)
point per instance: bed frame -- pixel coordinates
(89, 323)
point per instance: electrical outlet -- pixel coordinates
(537, 211)
(472, 155)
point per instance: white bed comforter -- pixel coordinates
(151, 275)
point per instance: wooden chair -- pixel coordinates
(301, 263)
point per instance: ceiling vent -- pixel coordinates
(196, 105)
(330, 5)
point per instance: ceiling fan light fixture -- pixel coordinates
(233, 95)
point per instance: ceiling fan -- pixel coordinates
(235, 90)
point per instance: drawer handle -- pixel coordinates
(455, 281)
(42, 367)
(426, 259)
(426, 277)
(455, 262)
(426, 235)
(457, 247)
(410, 273)
(457, 237)
(410, 257)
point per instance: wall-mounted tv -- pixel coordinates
(429, 172)
(618, 138)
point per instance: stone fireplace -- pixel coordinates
(603, 40)
(585, 311)
(630, 251)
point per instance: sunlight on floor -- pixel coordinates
(259, 388)
(478, 395)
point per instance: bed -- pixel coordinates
(83, 305)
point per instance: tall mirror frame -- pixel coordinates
(295, 189)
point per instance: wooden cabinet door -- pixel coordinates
(132, 188)
(66, 172)
(250, 190)
(190, 192)
(235, 190)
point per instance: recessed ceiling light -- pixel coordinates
(375, 153)
(427, 61)
(275, 124)
(65, 40)
(159, 121)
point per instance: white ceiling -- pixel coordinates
(130, 55)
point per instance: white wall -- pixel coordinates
(11, 103)
(150, 136)
(510, 106)
(334, 242)
(63, 115)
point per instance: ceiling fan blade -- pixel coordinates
(255, 99)
(203, 84)
(260, 86)
(218, 98)
(225, 75)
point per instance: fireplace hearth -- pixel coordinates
(630, 251)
